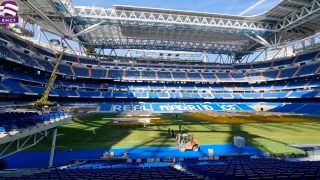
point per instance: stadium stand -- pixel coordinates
(11, 123)
(309, 108)
(255, 169)
(232, 168)
(266, 68)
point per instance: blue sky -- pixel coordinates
(213, 6)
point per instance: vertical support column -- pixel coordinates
(53, 145)
(265, 54)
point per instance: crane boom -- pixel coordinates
(44, 99)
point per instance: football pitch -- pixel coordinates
(273, 133)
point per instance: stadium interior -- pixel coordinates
(132, 92)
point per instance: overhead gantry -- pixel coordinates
(127, 27)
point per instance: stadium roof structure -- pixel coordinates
(128, 27)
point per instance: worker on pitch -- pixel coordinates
(93, 134)
(172, 133)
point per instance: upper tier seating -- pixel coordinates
(132, 74)
(306, 57)
(288, 72)
(81, 71)
(18, 83)
(6, 53)
(149, 75)
(88, 61)
(98, 73)
(282, 62)
(70, 58)
(179, 75)
(164, 75)
(194, 75)
(116, 72)
(65, 69)
(309, 69)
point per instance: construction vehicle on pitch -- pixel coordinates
(186, 141)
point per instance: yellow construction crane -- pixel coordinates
(43, 101)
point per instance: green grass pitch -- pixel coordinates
(272, 134)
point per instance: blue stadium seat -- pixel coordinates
(149, 75)
(15, 86)
(88, 61)
(251, 95)
(308, 108)
(281, 62)
(88, 94)
(65, 69)
(98, 73)
(288, 72)
(270, 75)
(179, 75)
(275, 94)
(115, 74)
(309, 69)
(164, 75)
(261, 65)
(194, 75)
(46, 65)
(132, 74)
(81, 71)
(120, 94)
(306, 57)
(224, 77)
(143, 94)
(70, 58)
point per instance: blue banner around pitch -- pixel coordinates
(173, 107)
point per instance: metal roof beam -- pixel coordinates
(88, 29)
(139, 17)
(289, 8)
(171, 45)
(48, 20)
(300, 2)
(296, 18)
(273, 18)
(260, 40)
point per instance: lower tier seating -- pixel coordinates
(228, 169)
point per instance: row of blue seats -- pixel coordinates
(14, 86)
(257, 65)
(229, 169)
(298, 108)
(119, 165)
(275, 86)
(100, 73)
(256, 169)
(86, 60)
(14, 120)
(120, 174)
(293, 72)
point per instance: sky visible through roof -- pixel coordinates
(213, 6)
(234, 7)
